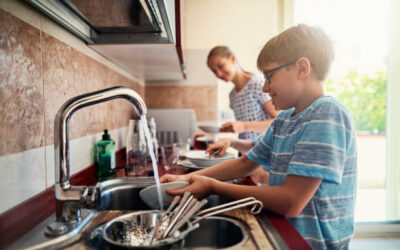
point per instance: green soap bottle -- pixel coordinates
(106, 163)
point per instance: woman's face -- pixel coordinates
(223, 67)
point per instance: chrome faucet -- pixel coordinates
(80, 196)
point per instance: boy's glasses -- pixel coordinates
(268, 75)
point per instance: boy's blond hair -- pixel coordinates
(299, 41)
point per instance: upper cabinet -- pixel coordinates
(142, 36)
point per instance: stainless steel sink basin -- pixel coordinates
(217, 232)
(123, 193)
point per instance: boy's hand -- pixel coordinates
(222, 144)
(234, 127)
(173, 178)
(200, 187)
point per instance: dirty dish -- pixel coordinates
(150, 196)
(209, 128)
(201, 159)
(189, 164)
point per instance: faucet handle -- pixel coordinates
(90, 196)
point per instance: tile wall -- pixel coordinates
(201, 98)
(41, 67)
(38, 73)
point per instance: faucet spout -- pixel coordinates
(63, 189)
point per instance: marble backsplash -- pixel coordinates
(203, 99)
(38, 73)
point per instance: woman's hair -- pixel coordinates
(299, 41)
(226, 52)
(220, 50)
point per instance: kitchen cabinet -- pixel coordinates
(143, 37)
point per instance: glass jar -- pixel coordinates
(136, 148)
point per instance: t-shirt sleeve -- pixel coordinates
(320, 149)
(255, 140)
(261, 152)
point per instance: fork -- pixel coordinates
(214, 153)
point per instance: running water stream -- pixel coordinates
(153, 159)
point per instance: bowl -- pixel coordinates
(201, 159)
(209, 128)
(150, 196)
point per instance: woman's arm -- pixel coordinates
(225, 171)
(270, 109)
(239, 144)
(242, 126)
(255, 126)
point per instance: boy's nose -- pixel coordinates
(266, 87)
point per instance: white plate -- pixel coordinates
(150, 196)
(201, 159)
(209, 128)
(189, 164)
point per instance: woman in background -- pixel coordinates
(253, 108)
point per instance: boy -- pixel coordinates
(309, 150)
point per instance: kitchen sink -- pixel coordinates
(216, 232)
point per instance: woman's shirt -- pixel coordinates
(247, 104)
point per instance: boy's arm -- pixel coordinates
(288, 200)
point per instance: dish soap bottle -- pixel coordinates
(106, 164)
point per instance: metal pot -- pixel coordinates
(133, 231)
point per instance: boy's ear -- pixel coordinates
(303, 67)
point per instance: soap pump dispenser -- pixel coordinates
(106, 163)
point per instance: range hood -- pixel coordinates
(114, 22)
(141, 36)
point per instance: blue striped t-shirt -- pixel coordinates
(319, 142)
